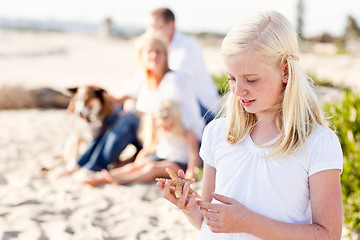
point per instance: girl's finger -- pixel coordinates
(160, 185)
(192, 201)
(204, 212)
(184, 196)
(166, 190)
(210, 206)
(223, 199)
(210, 214)
(211, 222)
(181, 173)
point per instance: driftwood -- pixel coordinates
(18, 97)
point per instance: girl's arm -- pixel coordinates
(326, 206)
(193, 148)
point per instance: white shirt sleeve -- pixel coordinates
(206, 148)
(325, 153)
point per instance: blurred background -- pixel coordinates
(214, 16)
(62, 43)
(47, 46)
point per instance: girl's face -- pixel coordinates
(166, 123)
(257, 84)
(154, 56)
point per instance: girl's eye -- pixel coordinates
(231, 79)
(251, 80)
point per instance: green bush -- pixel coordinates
(345, 120)
(221, 83)
(321, 81)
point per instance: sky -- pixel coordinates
(191, 15)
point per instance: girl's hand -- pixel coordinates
(185, 202)
(229, 217)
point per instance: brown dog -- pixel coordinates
(94, 113)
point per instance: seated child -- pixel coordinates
(165, 146)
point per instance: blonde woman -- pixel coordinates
(162, 84)
(272, 166)
(165, 146)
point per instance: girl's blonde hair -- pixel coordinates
(270, 36)
(149, 39)
(151, 122)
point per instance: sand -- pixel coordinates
(39, 205)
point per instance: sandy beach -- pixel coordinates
(40, 205)
(37, 204)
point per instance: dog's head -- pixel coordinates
(88, 102)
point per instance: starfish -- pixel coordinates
(178, 183)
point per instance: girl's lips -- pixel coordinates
(247, 103)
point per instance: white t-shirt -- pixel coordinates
(276, 188)
(172, 88)
(173, 148)
(186, 57)
(133, 85)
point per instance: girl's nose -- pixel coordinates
(240, 91)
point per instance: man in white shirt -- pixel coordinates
(186, 58)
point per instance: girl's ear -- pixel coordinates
(285, 73)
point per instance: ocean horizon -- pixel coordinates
(211, 16)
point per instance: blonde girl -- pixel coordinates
(164, 147)
(164, 135)
(272, 166)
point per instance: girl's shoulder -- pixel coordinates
(324, 137)
(321, 131)
(216, 126)
(323, 151)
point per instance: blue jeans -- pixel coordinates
(106, 148)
